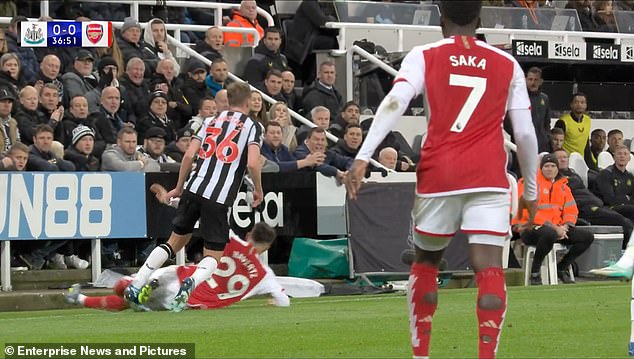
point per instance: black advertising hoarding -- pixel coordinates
(603, 52)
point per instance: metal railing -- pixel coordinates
(134, 8)
(266, 97)
(511, 33)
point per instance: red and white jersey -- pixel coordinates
(240, 274)
(468, 87)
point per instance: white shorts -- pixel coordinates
(484, 216)
(169, 285)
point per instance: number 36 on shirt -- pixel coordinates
(226, 151)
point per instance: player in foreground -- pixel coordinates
(226, 147)
(240, 275)
(461, 177)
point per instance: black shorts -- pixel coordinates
(214, 220)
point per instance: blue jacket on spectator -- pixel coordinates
(281, 155)
(332, 163)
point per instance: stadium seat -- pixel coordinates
(630, 166)
(578, 164)
(605, 159)
(548, 268)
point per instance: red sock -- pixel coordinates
(490, 282)
(422, 281)
(108, 302)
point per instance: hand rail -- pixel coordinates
(202, 28)
(266, 97)
(218, 7)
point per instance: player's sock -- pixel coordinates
(422, 299)
(490, 317)
(109, 302)
(627, 259)
(81, 298)
(204, 269)
(153, 262)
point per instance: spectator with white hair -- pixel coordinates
(320, 116)
(212, 44)
(137, 88)
(388, 157)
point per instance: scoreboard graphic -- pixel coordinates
(66, 34)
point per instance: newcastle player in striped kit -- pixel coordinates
(227, 146)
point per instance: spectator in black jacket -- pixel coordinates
(109, 117)
(178, 110)
(598, 139)
(266, 57)
(540, 108)
(212, 44)
(289, 92)
(306, 33)
(137, 88)
(334, 165)
(157, 117)
(80, 153)
(77, 115)
(176, 150)
(349, 116)
(49, 111)
(40, 156)
(351, 142)
(194, 88)
(591, 208)
(616, 184)
(272, 85)
(132, 46)
(10, 76)
(50, 73)
(323, 92)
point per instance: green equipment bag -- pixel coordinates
(314, 258)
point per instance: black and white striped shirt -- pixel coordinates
(223, 154)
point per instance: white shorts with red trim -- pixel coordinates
(484, 216)
(169, 285)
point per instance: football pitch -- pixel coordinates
(586, 320)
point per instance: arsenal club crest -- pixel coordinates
(94, 32)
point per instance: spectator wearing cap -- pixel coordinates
(9, 133)
(194, 88)
(80, 153)
(155, 37)
(266, 57)
(137, 88)
(10, 73)
(80, 80)
(218, 75)
(157, 117)
(178, 109)
(49, 72)
(108, 74)
(132, 46)
(176, 150)
(154, 148)
(41, 158)
(212, 44)
(554, 220)
(78, 115)
(124, 157)
(25, 54)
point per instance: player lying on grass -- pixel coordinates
(239, 275)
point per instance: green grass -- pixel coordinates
(566, 321)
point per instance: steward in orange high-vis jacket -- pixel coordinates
(554, 221)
